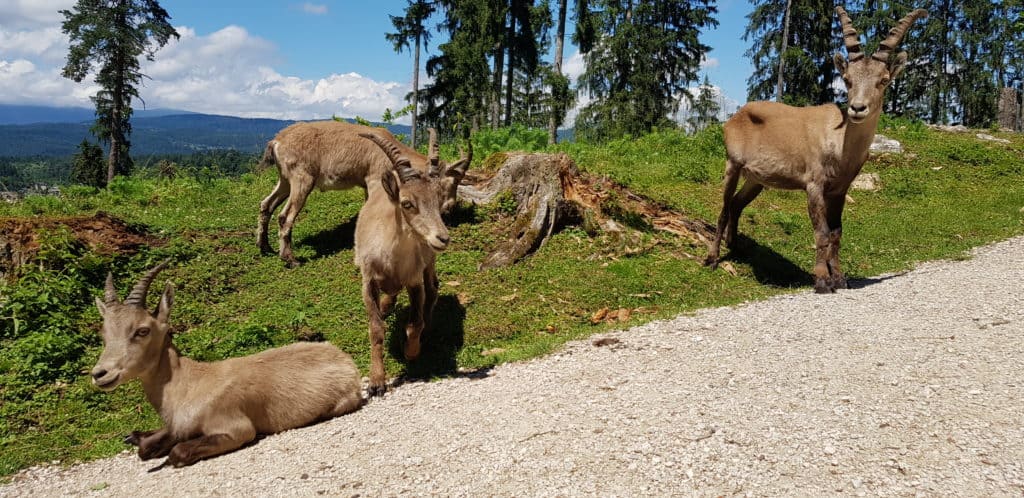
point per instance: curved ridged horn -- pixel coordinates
(886, 47)
(138, 294)
(433, 153)
(400, 162)
(850, 36)
(109, 292)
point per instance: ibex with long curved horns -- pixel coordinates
(398, 235)
(213, 408)
(330, 155)
(817, 149)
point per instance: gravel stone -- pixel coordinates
(888, 389)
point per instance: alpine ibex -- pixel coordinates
(213, 408)
(398, 233)
(330, 155)
(817, 149)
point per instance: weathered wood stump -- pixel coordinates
(550, 192)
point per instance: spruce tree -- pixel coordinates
(111, 35)
(640, 58)
(87, 166)
(409, 30)
(811, 39)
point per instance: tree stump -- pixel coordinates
(550, 192)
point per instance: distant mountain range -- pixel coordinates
(57, 131)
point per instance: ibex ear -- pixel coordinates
(163, 308)
(458, 169)
(840, 63)
(897, 65)
(100, 306)
(389, 180)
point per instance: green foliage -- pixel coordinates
(808, 72)
(511, 138)
(645, 55)
(108, 39)
(87, 166)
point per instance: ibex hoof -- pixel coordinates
(374, 391)
(291, 263)
(131, 439)
(266, 249)
(711, 262)
(839, 283)
(821, 286)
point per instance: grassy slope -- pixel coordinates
(232, 301)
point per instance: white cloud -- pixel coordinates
(706, 63)
(314, 8)
(573, 66)
(229, 71)
(32, 14)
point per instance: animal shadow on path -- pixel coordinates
(331, 241)
(770, 267)
(441, 341)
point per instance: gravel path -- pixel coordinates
(910, 385)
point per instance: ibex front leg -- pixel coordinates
(371, 298)
(816, 209)
(194, 450)
(415, 326)
(834, 215)
(152, 444)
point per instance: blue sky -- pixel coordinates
(288, 59)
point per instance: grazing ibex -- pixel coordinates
(330, 155)
(213, 408)
(398, 233)
(817, 149)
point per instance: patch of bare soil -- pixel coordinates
(101, 233)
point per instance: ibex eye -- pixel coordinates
(143, 332)
(407, 204)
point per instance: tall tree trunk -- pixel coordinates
(510, 77)
(556, 107)
(495, 104)
(415, 84)
(782, 51)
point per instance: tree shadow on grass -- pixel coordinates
(770, 267)
(333, 240)
(441, 341)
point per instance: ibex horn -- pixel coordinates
(850, 36)
(109, 292)
(400, 162)
(138, 294)
(886, 47)
(433, 154)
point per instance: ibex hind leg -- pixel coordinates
(732, 176)
(267, 208)
(740, 201)
(300, 190)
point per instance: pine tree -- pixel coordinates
(705, 108)
(410, 30)
(640, 57)
(558, 83)
(811, 39)
(87, 166)
(111, 35)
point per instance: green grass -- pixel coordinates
(948, 194)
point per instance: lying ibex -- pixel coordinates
(818, 149)
(330, 155)
(213, 408)
(398, 233)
